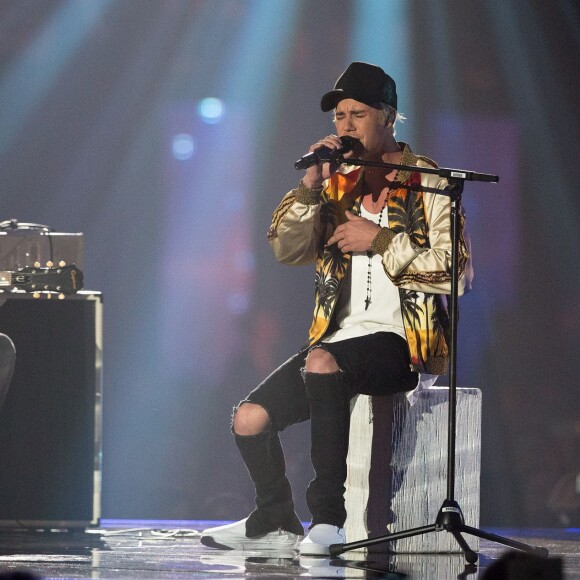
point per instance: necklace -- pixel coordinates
(370, 257)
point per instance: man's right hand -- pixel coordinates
(316, 174)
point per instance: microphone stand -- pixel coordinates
(450, 516)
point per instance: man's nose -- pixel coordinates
(348, 124)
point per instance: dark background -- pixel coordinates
(92, 96)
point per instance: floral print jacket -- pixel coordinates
(415, 250)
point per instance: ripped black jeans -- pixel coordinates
(375, 364)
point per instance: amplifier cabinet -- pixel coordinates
(50, 423)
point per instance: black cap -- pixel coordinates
(362, 82)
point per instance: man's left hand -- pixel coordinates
(355, 235)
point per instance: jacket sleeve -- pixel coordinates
(427, 269)
(295, 233)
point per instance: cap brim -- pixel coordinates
(331, 99)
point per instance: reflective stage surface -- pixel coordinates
(171, 550)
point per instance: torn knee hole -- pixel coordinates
(319, 360)
(253, 421)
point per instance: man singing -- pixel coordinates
(383, 255)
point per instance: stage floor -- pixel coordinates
(172, 550)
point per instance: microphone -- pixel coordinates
(325, 154)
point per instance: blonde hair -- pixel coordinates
(386, 112)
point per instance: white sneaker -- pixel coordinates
(321, 536)
(233, 537)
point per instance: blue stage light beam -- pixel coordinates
(252, 77)
(222, 169)
(381, 35)
(29, 78)
(527, 70)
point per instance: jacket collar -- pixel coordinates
(356, 173)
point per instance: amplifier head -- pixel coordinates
(30, 247)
